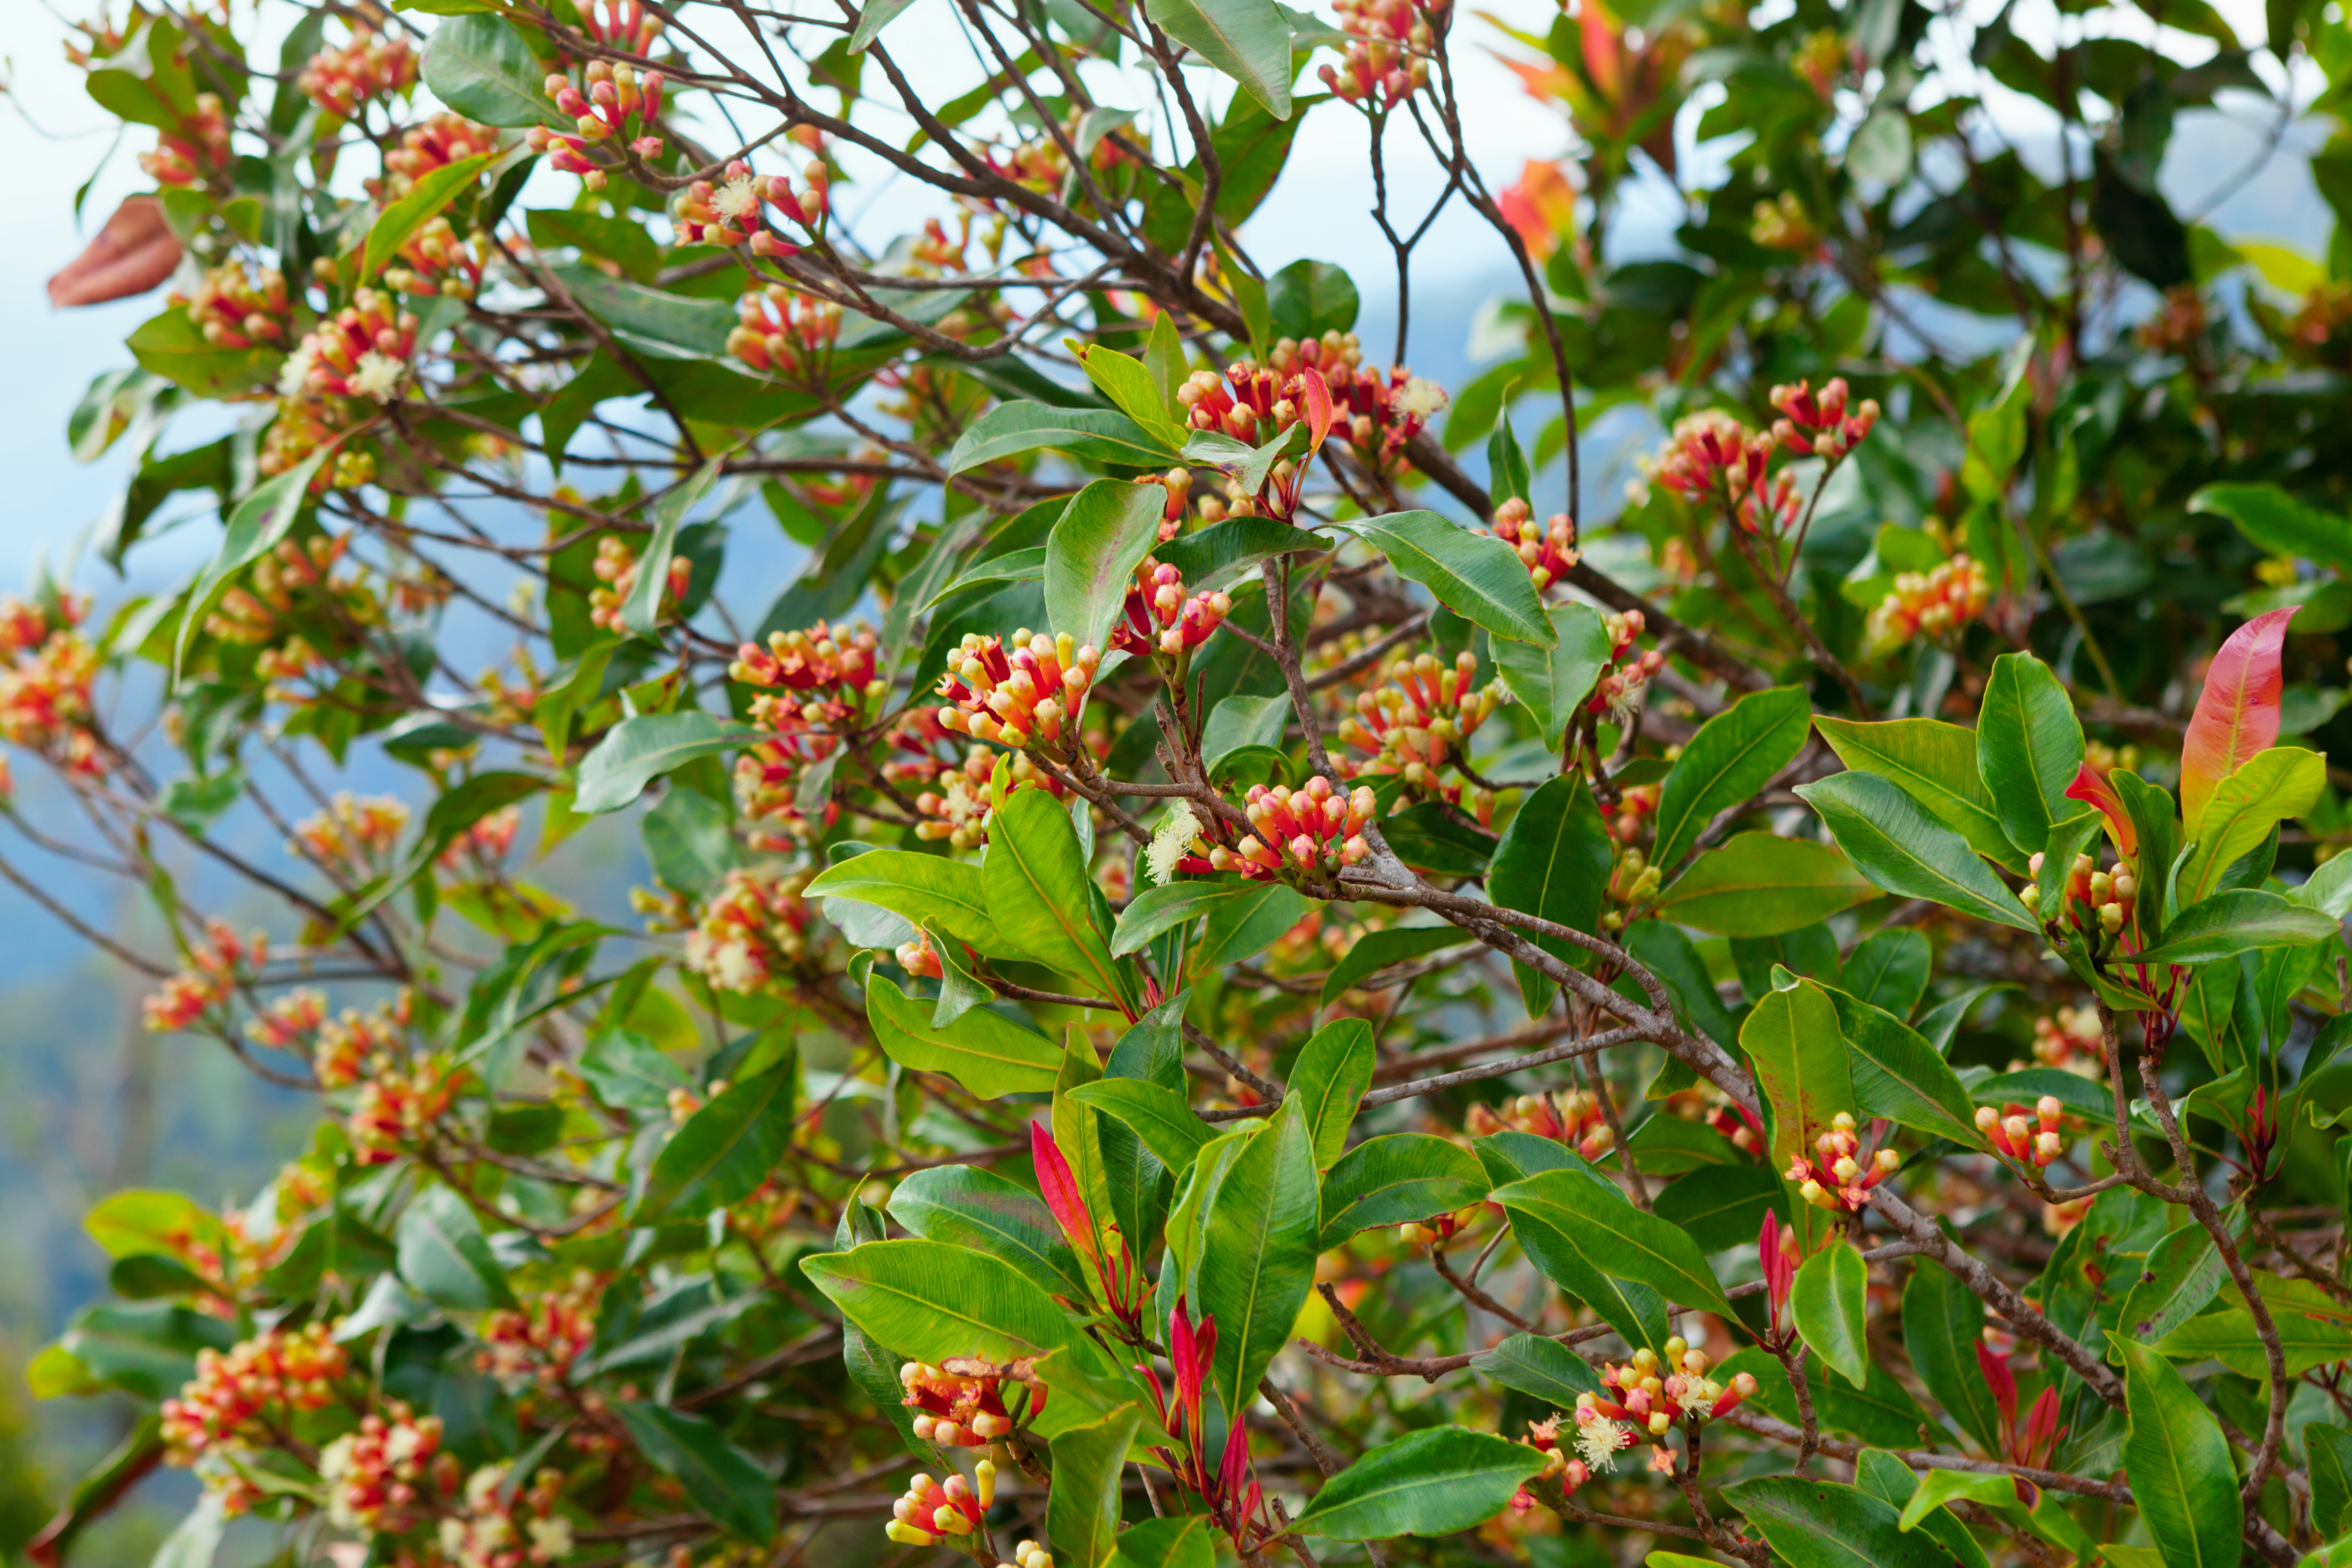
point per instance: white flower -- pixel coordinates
(551, 1537)
(378, 376)
(1599, 1439)
(1171, 842)
(1421, 398)
(482, 1485)
(739, 199)
(294, 376)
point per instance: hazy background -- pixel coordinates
(89, 1102)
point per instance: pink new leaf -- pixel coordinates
(2237, 713)
(1061, 1191)
(1318, 399)
(2093, 789)
(2003, 1383)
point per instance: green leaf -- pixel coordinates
(1898, 1074)
(1082, 1507)
(1182, 1541)
(1436, 1481)
(1242, 724)
(1308, 299)
(1258, 1246)
(398, 223)
(724, 1150)
(722, 1483)
(1156, 910)
(1717, 1207)
(2270, 787)
(1822, 1524)
(1246, 925)
(1758, 885)
(480, 67)
(983, 1050)
(2242, 920)
(1898, 845)
(1432, 836)
(260, 522)
(1938, 1488)
(195, 1540)
(1091, 555)
(1222, 549)
(2330, 1449)
(1942, 1323)
(1035, 878)
(1334, 1069)
(641, 612)
(2312, 1329)
(171, 346)
(872, 18)
(2181, 1478)
(138, 1224)
(1132, 389)
(1398, 1179)
(1554, 684)
(2029, 748)
(1615, 1236)
(1726, 762)
(636, 751)
(1475, 575)
(2281, 524)
(1154, 1113)
(1889, 970)
(929, 890)
(1880, 1410)
(1935, 764)
(980, 1209)
(1889, 1479)
(1541, 1368)
(443, 1257)
(1553, 862)
(2183, 1275)
(1246, 39)
(1085, 435)
(1378, 950)
(1829, 1299)
(1796, 1051)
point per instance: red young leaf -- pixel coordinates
(1060, 1189)
(2003, 1383)
(2095, 790)
(1318, 399)
(2237, 713)
(135, 252)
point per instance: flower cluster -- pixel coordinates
(1937, 602)
(487, 841)
(1376, 414)
(1158, 617)
(1783, 223)
(376, 1470)
(930, 1510)
(1574, 1118)
(1621, 686)
(2095, 900)
(363, 352)
(1021, 699)
(1231, 1493)
(287, 1023)
(1835, 1179)
(439, 141)
(750, 928)
(616, 567)
(486, 1535)
(238, 1397)
(543, 1338)
(1543, 1436)
(2072, 1040)
(1425, 713)
(1651, 1393)
(1636, 804)
(196, 152)
(961, 1404)
(783, 333)
(395, 1108)
(235, 311)
(371, 65)
(1818, 426)
(616, 93)
(815, 684)
(1548, 551)
(351, 835)
(438, 262)
(624, 25)
(1388, 43)
(1633, 880)
(1306, 829)
(217, 962)
(355, 1044)
(733, 211)
(257, 610)
(45, 686)
(2008, 1131)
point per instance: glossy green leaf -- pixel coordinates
(1889, 970)
(1938, 1488)
(1381, 949)
(2314, 1330)
(1334, 1069)
(723, 1151)
(2029, 748)
(1082, 1507)
(641, 612)
(722, 1483)
(1615, 1236)
(1091, 555)
(1155, 1113)
(1717, 1207)
(1828, 1301)
(2270, 787)
(1432, 1482)
(2281, 524)
(1475, 575)
(1553, 862)
(480, 67)
(978, 1208)
(1398, 1179)
(1554, 684)
(637, 751)
(1088, 435)
(872, 18)
(1793, 1043)
(1898, 1074)
(1248, 40)
(983, 1050)
(1822, 1524)
(2178, 1462)
(1258, 1246)
(2330, 1449)
(1935, 764)
(1541, 1368)
(1244, 926)
(398, 222)
(1132, 389)
(1756, 884)
(444, 1255)
(2242, 920)
(927, 890)
(1240, 725)
(2183, 1275)
(1156, 910)
(1942, 1323)
(1039, 892)
(1889, 1479)
(255, 528)
(1219, 552)
(1184, 1541)
(1899, 846)
(1730, 758)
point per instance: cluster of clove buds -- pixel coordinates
(930, 1508)
(1573, 1116)
(1018, 698)
(734, 210)
(1548, 551)
(1305, 829)
(1389, 42)
(782, 333)
(1937, 602)
(615, 95)
(961, 1403)
(2097, 901)
(1839, 1177)
(2036, 1142)
(1420, 720)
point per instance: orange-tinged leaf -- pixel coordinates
(2093, 789)
(1605, 51)
(1318, 397)
(2237, 713)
